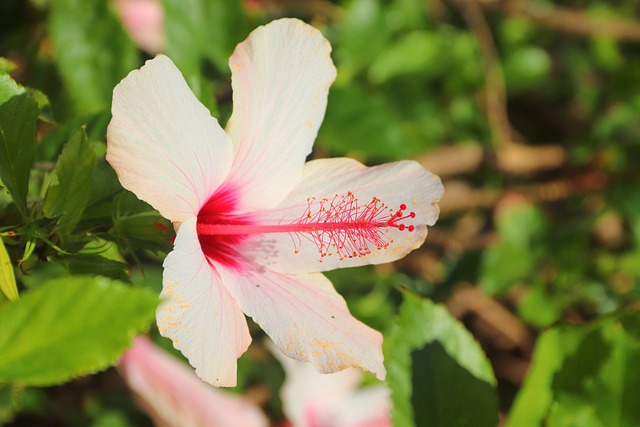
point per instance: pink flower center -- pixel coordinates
(340, 225)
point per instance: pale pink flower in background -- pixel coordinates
(144, 21)
(173, 396)
(310, 399)
(256, 224)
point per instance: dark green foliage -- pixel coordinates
(18, 115)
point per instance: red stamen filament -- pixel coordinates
(341, 225)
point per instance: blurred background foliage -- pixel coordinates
(527, 110)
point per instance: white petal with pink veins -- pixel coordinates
(198, 313)
(280, 76)
(306, 319)
(163, 143)
(344, 214)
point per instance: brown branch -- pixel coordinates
(462, 197)
(495, 91)
(568, 20)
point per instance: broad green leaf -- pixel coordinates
(446, 394)
(436, 370)
(7, 277)
(70, 326)
(70, 195)
(93, 52)
(583, 376)
(18, 117)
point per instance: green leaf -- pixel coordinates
(146, 229)
(363, 123)
(80, 264)
(18, 117)
(7, 278)
(9, 88)
(68, 327)
(9, 394)
(436, 370)
(197, 29)
(514, 257)
(44, 106)
(74, 169)
(414, 52)
(93, 52)
(583, 376)
(526, 68)
(538, 307)
(51, 145)
(364, 34)
(446, 394)
(7, 66)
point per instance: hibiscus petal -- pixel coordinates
(174, 396)
(368, 407)
(306, 319)
(348, 187)
(307, 395)
(281, 78)
(198, 314)
(163, 143)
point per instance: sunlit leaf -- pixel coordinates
(437, 372)
(7, 277)
(68, 327)
(583, 376)
(7, 66)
